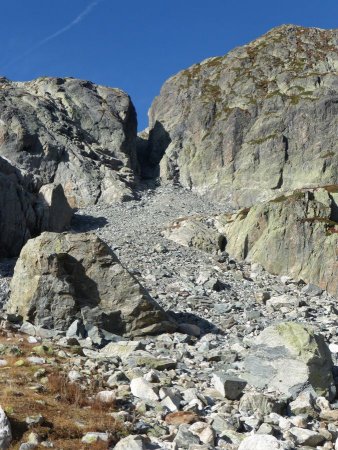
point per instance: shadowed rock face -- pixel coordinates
(24, 214)
(258, 121)
(61, 277)
(70, 132)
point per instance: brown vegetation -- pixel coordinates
(68, 409)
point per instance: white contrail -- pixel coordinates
(56, 34)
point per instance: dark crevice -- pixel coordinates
(280, 181)
(286, 148)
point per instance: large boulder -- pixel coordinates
(260, 120)
(289, 357)
(24, 214)
(70, 132)
(302, 223)
(197, 232)
(61, 277)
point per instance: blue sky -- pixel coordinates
(136, 45)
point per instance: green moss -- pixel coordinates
(261, 140)
(328, 155)
(297, 195)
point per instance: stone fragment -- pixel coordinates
(121, 349)
(304, 404)
(106, 397)
(282, 301)
(184, 437)
(260, 442)
(93, 437)
(143, 389)
(132, 442)
(229, 386)
(306, 437)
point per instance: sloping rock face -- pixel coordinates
(70, 132)
(258, 121)
(61, 277)
(24, 214)
(289, 357)
(295, 234)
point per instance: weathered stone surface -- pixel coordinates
(261, 119)
(24, 214)
(142, 388)
(260, 442)
(54, 210)
(306, 437)
(288, 357)
(258, 403)
(60, 277)
(71, 132)
(301, 224)
(132, 442)
(195, 232)
(229, 386)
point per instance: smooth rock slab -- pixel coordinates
(131, 443)
(260, 442)
(143, 389)
(121, 349)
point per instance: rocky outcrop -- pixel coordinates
(258, 121)
(70, 132)
(61, 277)
(289, 357)
(295, 235)
(24, 214)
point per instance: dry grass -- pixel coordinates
(67, 408)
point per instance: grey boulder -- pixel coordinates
(59, 278)
(289, 357)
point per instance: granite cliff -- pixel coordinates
(254, 123)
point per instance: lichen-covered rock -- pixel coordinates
(260, 120)
(61, 277)
(295, 234)
(70, 132)
(289, 357)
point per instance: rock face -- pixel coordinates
(61, 277)
(258, 121)
(24, 214)
(295, 235)
(70, 132)
(288, 357)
